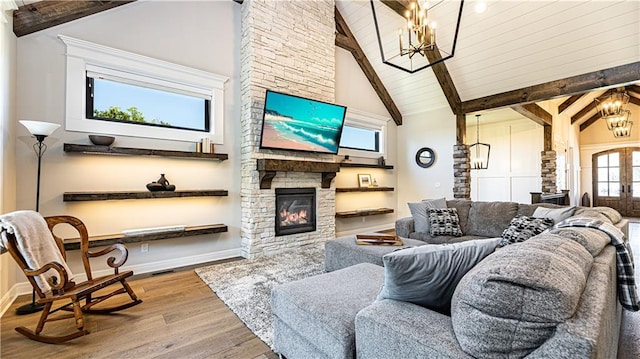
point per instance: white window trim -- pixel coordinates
(361, 119)
(81, 54)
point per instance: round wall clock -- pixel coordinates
(425, 157)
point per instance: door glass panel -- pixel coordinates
(636, 189)
(614, 189)
(636, 174)
(603, 173)
(603, 189)
(614, 174)
(614, 159)
(602, 161)
(635, 158)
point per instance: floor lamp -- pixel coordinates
(40, 130)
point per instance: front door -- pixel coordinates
(616, 180)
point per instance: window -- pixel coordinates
(356, 138)
(113, 100)
(363, 135)
(121, 93)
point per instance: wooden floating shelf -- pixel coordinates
(105, 196)
(365, 165)
(106, 240)
(365, 189)
(373, 212)
(107, 150)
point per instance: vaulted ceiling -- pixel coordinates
(511, 46)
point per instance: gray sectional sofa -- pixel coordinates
(552, 296)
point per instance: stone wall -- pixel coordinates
(461, 172)
(548, 172)
(287, 46)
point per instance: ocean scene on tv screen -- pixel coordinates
(301, 124)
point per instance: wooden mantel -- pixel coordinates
(269, 167)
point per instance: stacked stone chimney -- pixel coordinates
(289, 47)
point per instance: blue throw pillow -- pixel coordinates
(428, 275)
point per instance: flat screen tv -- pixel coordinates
(301, 124)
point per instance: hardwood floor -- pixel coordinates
(179, 318)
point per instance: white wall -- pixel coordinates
(435, 129)
(8, 268)
(354, 91)
(202, 35)
(514, 161)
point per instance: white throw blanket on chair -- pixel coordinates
(35, 242)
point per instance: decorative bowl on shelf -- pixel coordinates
(100, 140)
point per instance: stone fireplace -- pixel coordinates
(289, 47)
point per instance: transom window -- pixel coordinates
(113, 100)
(363, 135)
(121, 93)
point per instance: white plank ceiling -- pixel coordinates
(513, 44)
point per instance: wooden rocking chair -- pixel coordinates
(67, 292)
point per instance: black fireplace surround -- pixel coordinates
(295, 210)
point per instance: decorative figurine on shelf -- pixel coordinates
(346, 159)
(374, 183)
(162, 184)
(381, 161)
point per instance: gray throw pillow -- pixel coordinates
(522, 228)
(444, 222)
(419, 212)
(557, 214)
(428, 275)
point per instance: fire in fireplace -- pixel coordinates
(295, 210)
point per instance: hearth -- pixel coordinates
(295, 210)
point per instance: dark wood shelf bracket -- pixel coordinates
(268, 168)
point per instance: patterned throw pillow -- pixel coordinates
(444, 222)
(522, 228)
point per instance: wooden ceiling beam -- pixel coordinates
(590, 121)
(590, 106)
(568, 102)
(634, 100)
(615, 76)
(440, 69)
(346, 40)
(45, 14)
(633, 88)
(535, 113)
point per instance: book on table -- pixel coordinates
(380, 239)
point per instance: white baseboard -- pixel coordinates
(25, 288)
(366, 230)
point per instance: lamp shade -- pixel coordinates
(39, 127)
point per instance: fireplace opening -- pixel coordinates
(295, 210)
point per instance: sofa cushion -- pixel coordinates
(512, 301)
(593, 240)
(490, 219)
(556, 214)
(428, 238)
(522, 228)
(462, 206)
(602, 213)
(428, 275)
(420, 215)
(444, 222)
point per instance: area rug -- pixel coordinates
(245, 285)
